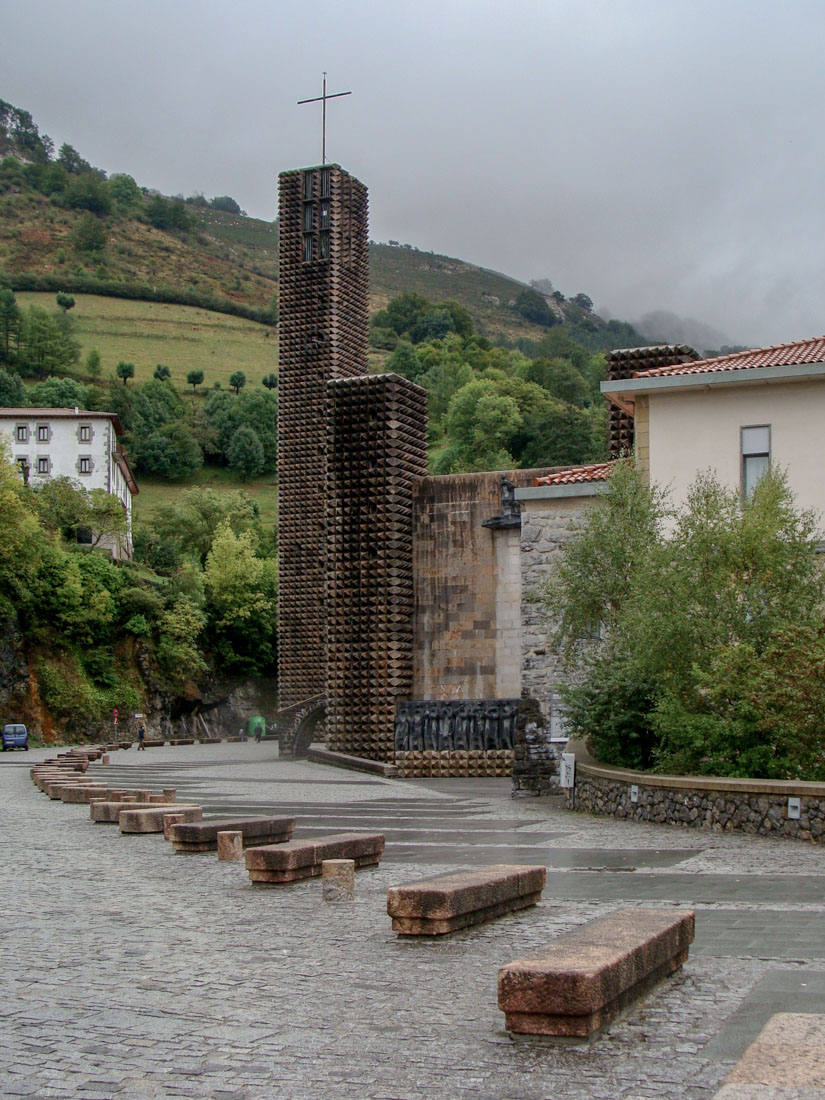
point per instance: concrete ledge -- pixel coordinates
(298, 859)
(786, 1060)
(320, 754)
(445, 903)
(582, 981)
(202, 836)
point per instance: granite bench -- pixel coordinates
(149, 819)
(54, 788)
(39, 775)
(445, 903)
(107, 811)
(202, 836)
(299, 859)
(787, 1059)
(83, 793)
(576, 985)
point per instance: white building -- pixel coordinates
(73, 443)
(736, 414)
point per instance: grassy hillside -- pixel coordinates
(38, 238)
(225, 256)
(485, 294)
(182, 337)
(156, 490)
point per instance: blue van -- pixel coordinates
(15, 736)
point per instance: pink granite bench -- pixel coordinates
(580, 982)
(446, 903)
(202, 836)
(299, 859)
(787, 1059)
(83, 793)
(150, 819)
(54, 787)
(107, 811)
(40, 774)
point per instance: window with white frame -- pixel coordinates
(756, 455)
(85, 464)
(85, 433)
(22, 433)
(42, 465)
(43, 433)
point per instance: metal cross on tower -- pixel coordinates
(322, 98)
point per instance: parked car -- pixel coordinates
(15, 736)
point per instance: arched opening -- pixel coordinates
(309, 729)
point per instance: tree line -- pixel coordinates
(492, 406)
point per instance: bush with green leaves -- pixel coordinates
(698, 634)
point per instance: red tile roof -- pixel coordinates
(577, 475)
(777, 355)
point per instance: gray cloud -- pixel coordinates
(655, 155)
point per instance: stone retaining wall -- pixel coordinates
(741, 805)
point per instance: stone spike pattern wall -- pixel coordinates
(324, 273)
(377, 447)
(622, 364)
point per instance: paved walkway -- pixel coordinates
(134, 972)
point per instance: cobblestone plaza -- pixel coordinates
(132, 971)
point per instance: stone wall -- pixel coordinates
(742, 805)
(467, 589)
(546, 526)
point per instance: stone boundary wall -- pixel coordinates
(547, 526)
(757, 806)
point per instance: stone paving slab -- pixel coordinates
(287, 997)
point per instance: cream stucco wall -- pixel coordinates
(695, 430)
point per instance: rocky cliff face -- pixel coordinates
(210, 708)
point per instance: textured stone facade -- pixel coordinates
(547, 525)
(468, 589)
(741, 805)
(324, 270)
(377, 447)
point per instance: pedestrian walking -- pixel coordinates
(141, 736)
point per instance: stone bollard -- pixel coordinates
(169, 820)
(338, 878)
(105, 758)
(170, 794)
(230, 845)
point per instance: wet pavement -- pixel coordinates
(132, 971)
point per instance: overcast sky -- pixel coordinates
(656, 154)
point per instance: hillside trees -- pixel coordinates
(44, 343)
(532, 306)
(492, 407)
(80, 615)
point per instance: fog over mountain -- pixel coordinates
(657, 156)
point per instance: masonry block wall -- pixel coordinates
(377, 447)
(546, 527)
(468, 589)
(324, 267)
